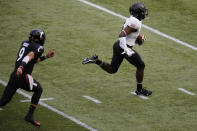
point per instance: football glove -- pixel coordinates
(129, 52)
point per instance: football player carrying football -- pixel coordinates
(29, 53)
(123, 48)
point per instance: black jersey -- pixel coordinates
(27, 47)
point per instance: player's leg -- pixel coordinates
(9, 91)
(33, 86)
(136, 60)
(115, 63)
(37, 89)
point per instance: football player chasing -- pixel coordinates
(29, 53)
(123, 48)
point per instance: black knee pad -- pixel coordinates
(114, 70)
(37, 94)
(141, 65)
(38, 88)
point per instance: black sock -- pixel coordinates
(98, 62)
(31, 110)
(139, 86)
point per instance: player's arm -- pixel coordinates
(50, 54)
(126, 31)
(122, 38)
(25, 61)
(140, 39)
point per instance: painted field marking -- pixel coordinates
(54, 110)
(187, 92)
(1, 109)
(3, 83)
(92, 99)
(140, 96)
(145, 26)
(42, 99)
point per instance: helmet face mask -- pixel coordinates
(38, 36)
(139, 11)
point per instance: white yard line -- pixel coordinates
(145, 26)
(187, 92)
(54, 110)
(68, 117)
(92, 99)
(140, 96)
(3, 83)
(42, 99)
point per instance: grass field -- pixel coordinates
(75, 30)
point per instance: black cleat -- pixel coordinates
(143, 92)
(92, 59)
(30, 119)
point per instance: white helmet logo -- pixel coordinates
(41, 33)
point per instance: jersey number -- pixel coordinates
(20, 54)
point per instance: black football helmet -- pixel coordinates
(38, 36)
(138, 10)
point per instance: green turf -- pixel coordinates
(75, 30)
(177, 18)
(12, 118)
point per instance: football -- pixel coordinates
(140, 39)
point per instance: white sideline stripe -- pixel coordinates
(145, 26)
(42, 99)
(54, 110)
(169, 37)
(92, 99)
(187, 92)
(102, 8)
(140, 96)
